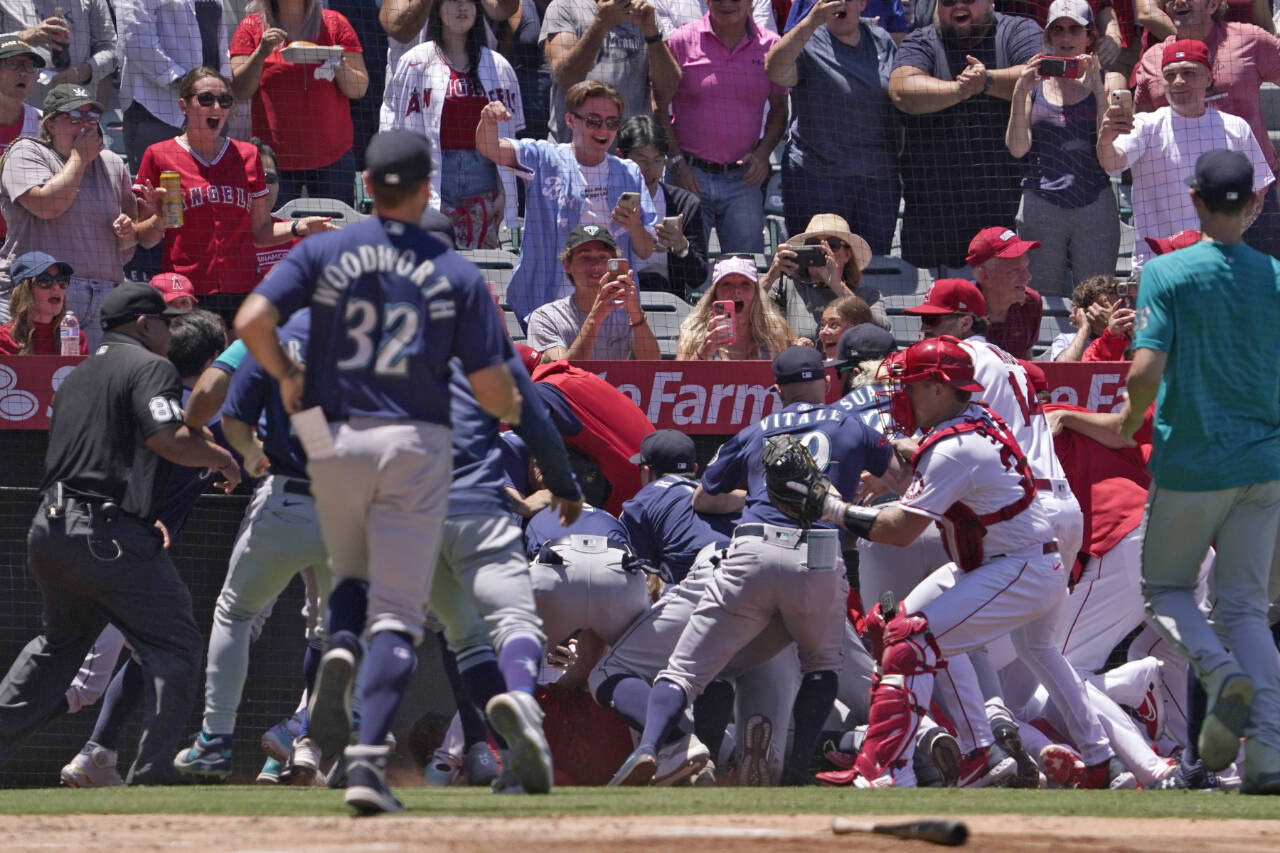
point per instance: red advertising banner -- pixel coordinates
(714, 397)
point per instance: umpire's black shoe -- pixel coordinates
(1028, 775)
(329, 712)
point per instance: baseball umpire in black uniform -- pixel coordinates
(93, 547)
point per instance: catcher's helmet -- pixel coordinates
(938, 360)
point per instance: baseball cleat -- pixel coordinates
(480, 765)
(1027, 774)
(680, 760)
(442, 770)
(277, 741)
(1224, 722)
(208, 758)
(945, 753)
(756, 737)
(270, 772)
(985, 766)
(637, 770)
(706, 777)
(506, 783)
(517, 717)
(304, 762)
(367, 790)
(93, 767)
(1261, 768)
(1062, 765)
(329, 714)
(1108, 775)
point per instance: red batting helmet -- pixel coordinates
(931, 360)
(939, 360)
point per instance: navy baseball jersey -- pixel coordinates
(478, 474)
(868, 404)
(664, 528)
(186, 485)
(390, 305)
(254, 398)
(840, 443)
(515, 461)
(545, 527)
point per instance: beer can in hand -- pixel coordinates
(172, 184)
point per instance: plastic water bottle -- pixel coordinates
(69, 332)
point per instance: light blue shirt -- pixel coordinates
(553, 207)
(1214, 308)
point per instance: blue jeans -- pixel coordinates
(869, 205)
(735, 210)
(464, 174)
(337, 181)
(84, 297)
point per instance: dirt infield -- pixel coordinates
(685, 834)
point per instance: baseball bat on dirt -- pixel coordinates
(951, 833)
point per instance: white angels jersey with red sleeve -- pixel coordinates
(214, 247)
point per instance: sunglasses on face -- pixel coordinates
(208, 99)
(947, 4)
(595, 122)
(834, 243)
(83, 116)
(271, 177)
(45, 282)
(935, 319)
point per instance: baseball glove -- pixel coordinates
(795, 485)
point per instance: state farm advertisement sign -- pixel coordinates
(715, 397)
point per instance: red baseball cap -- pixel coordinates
(1181, 240)
(1039, 382)
(997, 242)
(1186, 50)
(174, 285)
(952, 296)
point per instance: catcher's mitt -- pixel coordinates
(794, 483)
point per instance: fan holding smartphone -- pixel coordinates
(1067, 201)
(733, 320)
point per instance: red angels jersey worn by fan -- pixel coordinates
(972, 469)
(214, 247)
(1006, 388)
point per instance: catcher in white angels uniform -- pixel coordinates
(1006, 577)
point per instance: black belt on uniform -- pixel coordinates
(294, 486)
(709, 167)
(1050, 547)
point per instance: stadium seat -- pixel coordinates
(894, 276)
(666, 312)
(340, 212)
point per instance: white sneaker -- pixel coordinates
(304, 763)
(680, 760)
(442, 770)
(94, 769)
(518, 718)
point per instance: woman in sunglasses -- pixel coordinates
(37, 303)
(225, 198)
(66, 190)
(438, 90)
(302, 110)
(839, 257)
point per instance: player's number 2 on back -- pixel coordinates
(399, 328)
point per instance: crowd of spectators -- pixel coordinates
(957, 134)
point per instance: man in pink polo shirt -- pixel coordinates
(998, 258)
(1242, 58)
(718, 103)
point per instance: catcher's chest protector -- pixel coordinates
(963, 540)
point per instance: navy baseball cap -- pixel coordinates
(32, 264)
(131, 300)
(667, 452)
(860, 343)
(797, 364)
(1222, 175)
(398, 158)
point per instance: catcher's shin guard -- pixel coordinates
(909, 659)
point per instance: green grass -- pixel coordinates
(462, 802)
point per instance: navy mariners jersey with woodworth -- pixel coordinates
(390, 305)
(840, 443)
